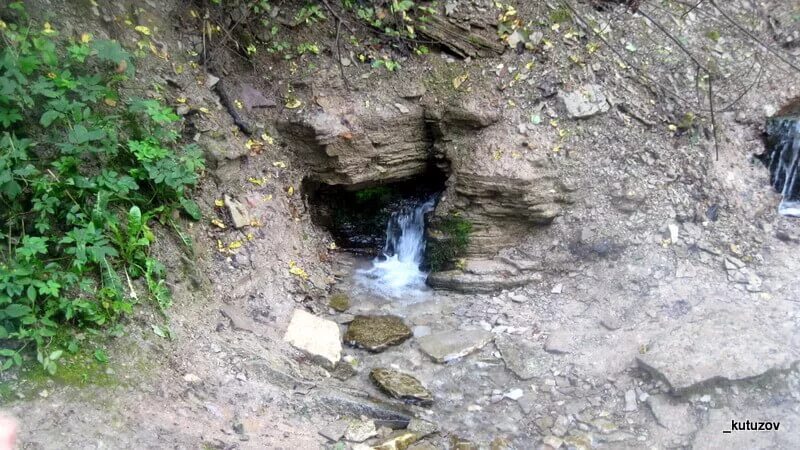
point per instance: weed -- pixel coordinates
(82, 175)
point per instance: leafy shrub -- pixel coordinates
(82, 175)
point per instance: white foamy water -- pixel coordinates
(784, 164)
(396, 273)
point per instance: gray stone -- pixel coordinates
(211, 81)
(586, 101)
(422, 427)
(558, 343)
(253, 98)
(672, 414)
(630, 401)
(315, 336)
(238, 320)
(450, 345)
(240, 216)
(522, 357)
(723, 345)
(610, 323)
(334, 430)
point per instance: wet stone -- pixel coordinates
(334, 430)
(376, 333)
(450, 345)
(401, 386)
(399, 440)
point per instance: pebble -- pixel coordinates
(514, 394)
(557, 289)
(630, 401)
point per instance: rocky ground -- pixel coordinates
(624, 287)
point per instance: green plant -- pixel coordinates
(82, 174)
(450, 241)
(310, 13)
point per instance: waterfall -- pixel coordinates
(783, 160)
(396, 273)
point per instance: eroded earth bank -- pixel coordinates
(618, 284)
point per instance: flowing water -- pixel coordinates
(396, 273)
(783, 160)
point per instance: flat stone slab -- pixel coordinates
(586, 101)
(450, 345)
(376, 333)
(721, 346)
(672, 414)
(401, 386)
(315, 336)
(522, 357)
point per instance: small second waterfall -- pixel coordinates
(783, 160)
(397, 273)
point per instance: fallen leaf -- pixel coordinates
(218, 223)
(459, 80)
(142, 29)
(219, 202)
(293, 103)
(279, 164)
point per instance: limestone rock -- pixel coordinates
(399, 440)
(376, 333)
(586, 101)
(558, 343)
(360, 430)
(315, 336)
(239, 214)
(522, 357)
(334, 430)
(450, 345)
(724, 345)
(401, 386)
(672, 415)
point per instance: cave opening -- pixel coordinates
(357, 215)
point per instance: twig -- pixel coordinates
(699, 2)
(754, 38)
(713, 116)
(339, 55)
(337, 16)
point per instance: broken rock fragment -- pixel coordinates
(240, 216)
(586, 101)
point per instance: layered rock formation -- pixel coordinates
(499, 182)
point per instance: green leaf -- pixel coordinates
(49, 117)
(100, 355)
(16, 310)
(55, 355)
(191, 208)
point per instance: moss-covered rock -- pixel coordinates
(339, 302)
(448, 239)
(376, 333)
(401, 386)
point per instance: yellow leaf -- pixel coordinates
(203, 109)
(218, 223)
(110, 102)
(234, 245)
(293, 103)
(250, 236)
(290, 191)
(459, 80)
(332, 246)
(279, 164)
(238, 104)
(268, 198)
(219, 202)
(142, 29)
(48, 29)
(86, 38)
(296, 270)
(181, 99)
(672, 127)
(268, 139)
(257, 181)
